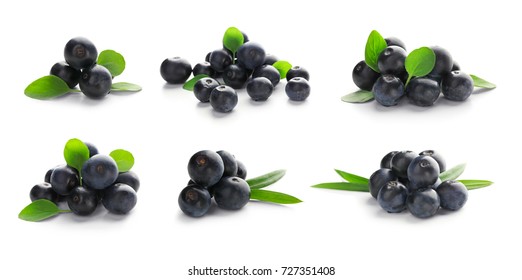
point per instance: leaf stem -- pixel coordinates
(64, 211)
(408, 80)
(75, 90)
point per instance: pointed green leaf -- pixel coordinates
(75, 153)
(374, 46)
(274, 197)
(283, 67)
(189, 85)
(40, 209)
(476, 184)
(453, 173)
(124, 159)
(113, 61)
(360, 96)
(419, 62)
(481, 83)
(47, 87)
(233, 39)
(352, 178)
(266, 180)
(123, 86)
(344, 186)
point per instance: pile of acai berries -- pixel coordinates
(410, 180)
(215, 175)
(226, 69)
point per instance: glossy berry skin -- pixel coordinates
(400, 163)
(443, 62)
(391, 61)
(453, 195)
(64, 179)
(388, 90)
(206, 168)
(203, 68)
(423, 203)
(423, 171)
(251, 55)
(80, 53)
(394, 41)
(175, 70)
(129, 178)
(119, 198)
(229, 162)
(297, 89)
(386, 160)
(269, 72)
(231, 193)
(270, 59)
(96, 82)
(47, 177)
(437, 157)
(241, 170)
(43, 191)
(457, 86)
(223, 99)
(65, 72)
(363, 76)
(379, 178)
(194, 201)
(235, 76)
(82, 201)
(219, 60)
(297, 71)
(99, 172)
(423, 91)
(92, 149)
(259, 89)
(203, 88)
(392, 197)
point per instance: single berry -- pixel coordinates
(379, 178)
(297, 89)
(392, 197)
(453, 195)
(129, 178)
(203, 88)
(400, 163)
(80, 53)
(241, 170)
(443, 62)
(43, 191)
(194, 201)
(65, 72)
(297, 71)
(391, 61)
(394, 41)
(203, 68)
(64, 179)
(229, 162)
(423, 91)
(96, 82)
(251, 55)
(175, 70)
(387, 159)
(388, 90)
(457, 86)
(219, 60)
(223, 99)
(423, 203)
(259, 89)
(231, 193)
(437, 157)
(270, 59)
(205, 168)
(82, 201)
(423, 171)
(235, 76)
(363, 76)
(269, 72)
(99, 172)
(92, 149)
(119, 198)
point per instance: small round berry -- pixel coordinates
(379, 178)
(388, 90)
(453, 195)
(231, 193)
(297, 71)
(203, 68)
(219, 60)
(80, 53)
(423, 203)
(251, 55)
(297, 89)
(96, 82)
(457, 86)
(269, 72)
(194, 201)
(392, 197)
(363, 76)
(175, 70)
(43, 191)
(119, 198)
(82, 201)
(223, 99)
(260, 89)
(203, 88)
(206, 168)
(65, 72)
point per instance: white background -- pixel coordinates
(164, 125)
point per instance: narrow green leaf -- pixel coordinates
(189, 85)
(344, 186)
(274, 197)
(113, 61)
(233, 39)
(75, 153)
(419, 62)
(453, 173)
(481, 83)
(40, 209)
(374, 46)
(123, 86)
(283, 67)
(360, 96)
(47, 87)
(124, 159)
(352, 178)
(266, 180)
(476, 184)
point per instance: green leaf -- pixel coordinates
(266, 180)
(419, 63)
(123, 86)
(189, 85)
(40, 209)
(47, 87)
(233, 39)
(352, 177)
(360, 96)
(481, 83)
(274, 197)
(75, 153)
(124, 159)
(113, 61)
(453, 173)
(374, 46)
(476, 184)
(344, 186)
(282, 66)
